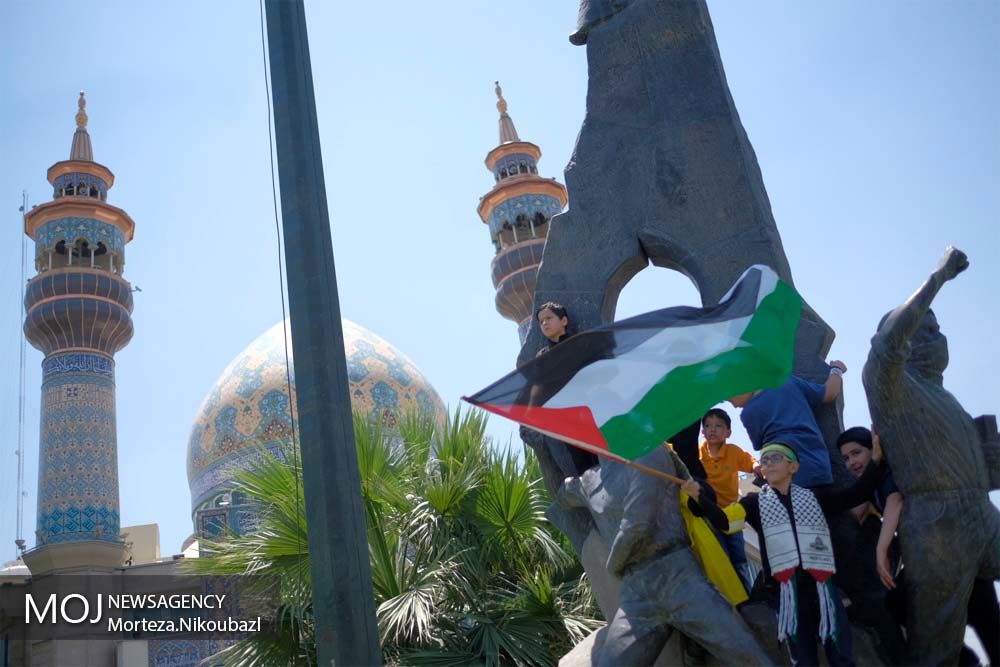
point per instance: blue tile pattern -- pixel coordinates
(78, 457)
(247, 412)
(514, 164)
(182, 652)
(72, 228)
(75, 179)
(213, 523)
(61, 364)
(528, 205)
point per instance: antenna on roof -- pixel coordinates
(19, 452)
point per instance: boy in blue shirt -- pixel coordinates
(786, 414)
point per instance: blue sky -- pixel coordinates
(874, 124)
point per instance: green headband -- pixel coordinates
(784, 450)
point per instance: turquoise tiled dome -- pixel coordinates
(248, 405)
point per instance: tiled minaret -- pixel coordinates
(517, 210)
(79, 315)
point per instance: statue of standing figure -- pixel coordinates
(949, 531)
(662, 585)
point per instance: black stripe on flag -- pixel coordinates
(538, 380)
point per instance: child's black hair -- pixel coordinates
(557, 308)
(719, 413)
(858, 434)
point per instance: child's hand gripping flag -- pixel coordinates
(624, 388)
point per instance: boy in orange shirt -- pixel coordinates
(723, 462)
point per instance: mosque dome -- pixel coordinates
(248, 405)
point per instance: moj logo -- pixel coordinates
(73, 608)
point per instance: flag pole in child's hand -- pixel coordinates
(608, 455)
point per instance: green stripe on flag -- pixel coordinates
(686, 393)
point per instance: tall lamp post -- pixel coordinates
(343, 603)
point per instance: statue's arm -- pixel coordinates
(642, 501)
(903, 322)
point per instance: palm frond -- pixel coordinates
(512, 511)
(465, 568)
(381, 462)
(457, 657)
(463, 438)
(417, 432)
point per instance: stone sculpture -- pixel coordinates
(662, 587)
(592, 13)
(662, 172)
(950, 532)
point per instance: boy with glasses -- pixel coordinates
(797, 552)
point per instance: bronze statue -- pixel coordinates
(949, 531)
(662, 586)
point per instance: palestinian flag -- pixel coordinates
(622, 389)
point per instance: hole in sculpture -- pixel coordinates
(654, 288)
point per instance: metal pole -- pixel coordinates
(343, 603)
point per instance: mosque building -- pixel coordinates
(517, 210)
(78, 313)
(246, 414)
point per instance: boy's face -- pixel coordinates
(551, 324)
(856, 457)
(715, 430)
(777, 468)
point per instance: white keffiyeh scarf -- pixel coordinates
(814, 554)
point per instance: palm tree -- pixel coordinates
(465, 568)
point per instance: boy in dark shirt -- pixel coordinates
(796, 551)
(983, 612)
(878, 607)
(855, 445)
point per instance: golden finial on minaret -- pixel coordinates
(81, 115)
(501, 102)
(81, 149)
(507, 131)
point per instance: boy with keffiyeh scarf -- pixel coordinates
(796, 551)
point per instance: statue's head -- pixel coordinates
(928, 348)
(592, 13)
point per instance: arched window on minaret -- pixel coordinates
(101, 256)
(521, 222)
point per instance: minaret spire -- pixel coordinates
(517, 211)
(508, 132)
(81, 149)
(78, 312)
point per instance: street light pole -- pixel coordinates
(343, 603)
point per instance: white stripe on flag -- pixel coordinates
(612, 387)
(768, 281)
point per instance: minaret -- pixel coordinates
(517, 210)
(78, 313)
